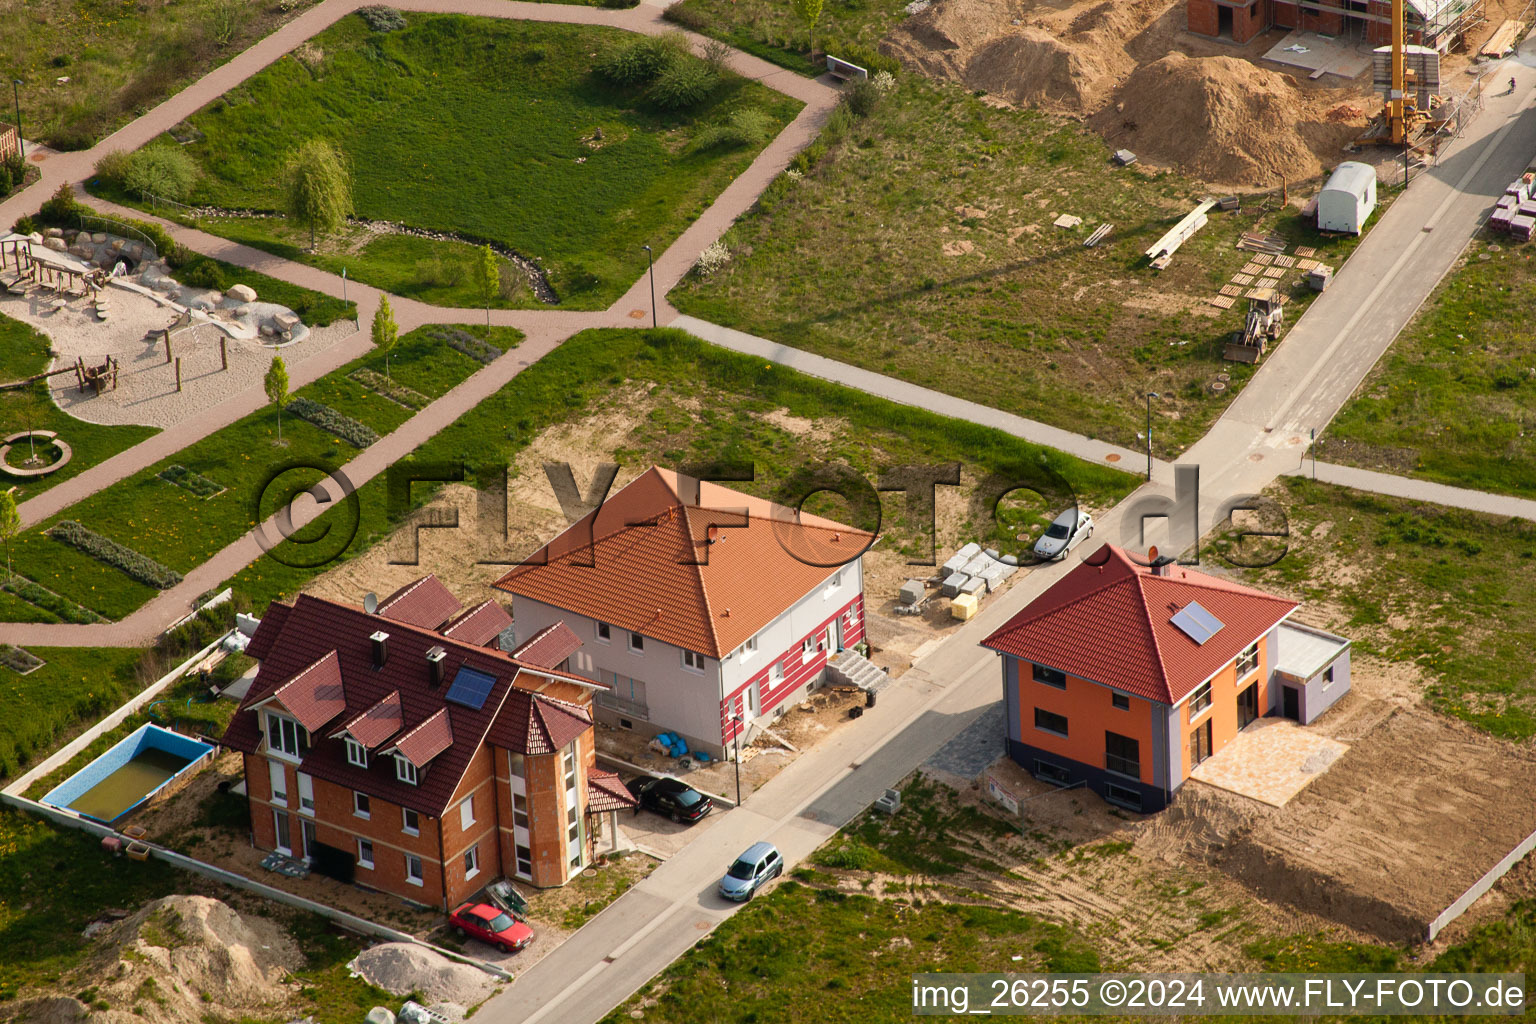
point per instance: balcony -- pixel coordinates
(1126, 766)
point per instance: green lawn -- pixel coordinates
(1455, 399)
(75, 684)
(121, 58)
(712, 407)
(24, 352)
(849, 29)
(482, 127)
(178, 528)
(1450, 591)
(921, 245)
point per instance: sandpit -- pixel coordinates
(1129, 66)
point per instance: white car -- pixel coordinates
(1066, 532)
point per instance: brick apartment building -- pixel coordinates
(698, 609)
(1437, 23)
(405, 751)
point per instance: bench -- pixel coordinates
(844, 71)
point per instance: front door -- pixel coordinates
(284, 841)
(306, 838)
(1291, 701)
(1248, 705)
(1200, 743)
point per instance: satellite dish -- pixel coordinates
(370, 603)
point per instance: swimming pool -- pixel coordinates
(144, 765)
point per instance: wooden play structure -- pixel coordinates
(97, 378)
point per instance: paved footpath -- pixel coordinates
(1396, 486)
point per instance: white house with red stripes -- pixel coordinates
(701, 610)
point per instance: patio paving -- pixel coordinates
(1270, 761)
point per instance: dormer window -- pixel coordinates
(405, 771)
(357, 754)
(286, 737)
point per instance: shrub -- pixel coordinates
(48, 601)
(104, 549)
(203, 272)
(870, 60)
(381, 18)
(682, 84)
(183, 477)
(16, 167)
(885, 82)
(5, 185)
(163, 171)
(24, 225)
(717, 54)
(114, 166)
(463, 341)
(643, 60)
(745, 127)
(863, 97)
(839, 123)
(359, 435)
(63, 209)
(686, 16)
(714, 256)
(809, 157)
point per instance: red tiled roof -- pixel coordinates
(630, 562)
(377, 724)
(606, 793)
(1109, 621)
(549, 646)
(425, 741)
(271, 625)
(314, 628)
(545, 726)
(315, 695)
(480, 625)
(425, 603)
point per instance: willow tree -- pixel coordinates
(319, 188)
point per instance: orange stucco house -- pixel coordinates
(1125, 675)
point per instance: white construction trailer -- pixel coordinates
(1346, 201)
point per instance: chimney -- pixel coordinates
(714, 534)
(435, 658)
(380, 648)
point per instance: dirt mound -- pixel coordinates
(401, 968)
(171, 962)
(1221, 119)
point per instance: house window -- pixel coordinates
(467, 812)
(410, 822)
(279, 777)
(524, 860)
(357, 754)
(287, 737)
(284, 841)
(1199, 700)
(748, 649)
(1328, 677)
(1122, 755)
(1052, 773)
(1128, 798)
(604, 632)
(471, 862)
(306, 794)
(1248, 661)
(637, 643)
(1049, 721)
(413, 871)
(1120, 701)
(776, 674)
(365, 853)
(519, 810)
(1049, 676)
(405, 771)
(515, 763)
(572, 808)
(361, 805)
(832, 585)
(693, 660)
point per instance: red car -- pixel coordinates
(490, 925)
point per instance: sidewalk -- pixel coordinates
(1419, 490)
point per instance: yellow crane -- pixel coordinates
(1397, 95)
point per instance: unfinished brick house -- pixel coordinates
(1436, 23)
(405, 751)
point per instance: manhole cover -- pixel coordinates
(1223, 377)
(637, 314)
(1495, 247)
(1217, 387)
(1256, 457)
(1112, 457)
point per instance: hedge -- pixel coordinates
(397, 393)
(332, 422)
(183, 477)
(48, 601)
(467, 343)
(141, 567)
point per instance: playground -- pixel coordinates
(130, 345)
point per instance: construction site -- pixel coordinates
(1239, 93)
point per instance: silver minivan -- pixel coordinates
(756, 866)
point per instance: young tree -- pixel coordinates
(385, 331)
(319, 188)
(277, 390)
(809, 11)
(487, 278)
(10, 524)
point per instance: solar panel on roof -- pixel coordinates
(471, 687)
(1197, 623)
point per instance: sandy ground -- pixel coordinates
(146, 386)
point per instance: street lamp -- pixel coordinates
(651, 268)
(16, 95)
(1150, 395)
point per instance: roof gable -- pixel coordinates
(480, 625)
(549, 647)
(315, 695)
(425, 741)
(378, 723)
(686, 562)
(425, 603)
(1110, 620)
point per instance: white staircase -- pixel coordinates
(850, 668)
